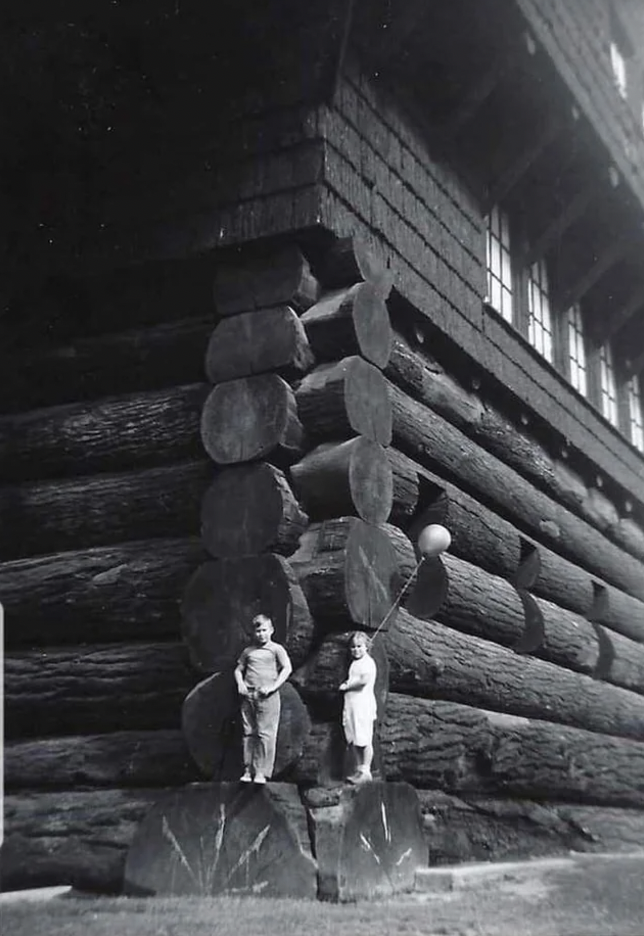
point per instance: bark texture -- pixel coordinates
(129, 591)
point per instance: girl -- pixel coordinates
(359, 708)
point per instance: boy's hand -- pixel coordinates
(243, 690)
(342, 687)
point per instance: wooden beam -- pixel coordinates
(612, 253)
(573, 211)
(609, 327)
(516, 170)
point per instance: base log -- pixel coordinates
(224, 838)
(368, 840)
(78, 838)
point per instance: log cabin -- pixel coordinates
(380, 264)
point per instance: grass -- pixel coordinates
(607, 900)
(216, 917)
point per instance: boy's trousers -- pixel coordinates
(260, 718)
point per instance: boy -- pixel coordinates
(261, 669)
(359, 707)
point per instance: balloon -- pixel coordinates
(433, 540)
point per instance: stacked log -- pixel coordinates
(514, 668)
(412, 368)
(484, 538)
(250, 518)
(102, 473)
(297, 420)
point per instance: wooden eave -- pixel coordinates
(469, 66)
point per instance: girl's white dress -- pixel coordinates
(359, 710)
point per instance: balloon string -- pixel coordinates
(399, 598)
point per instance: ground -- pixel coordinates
(600, 898)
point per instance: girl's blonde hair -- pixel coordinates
(360, 637)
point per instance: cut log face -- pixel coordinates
(281, 276)
(224, 838)
(349, 260)
(250, 509)
(350, 321)
(256, 342)
(251, 418)
(345, 399)
(223, 597)
(349, 478)
(211, 725)
(368, 840)
(347, 570)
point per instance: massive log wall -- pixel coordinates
(156, 505)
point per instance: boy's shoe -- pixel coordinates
(260, 778)
(246, 777)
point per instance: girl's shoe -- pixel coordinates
(246, 777)
(260, 778)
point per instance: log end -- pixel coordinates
(368, 840)
(224, 838)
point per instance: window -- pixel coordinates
(499, 263)
(539, 313)
(576, 349)
(618, 63)
(608, 384)
(635, 415)
(521, 291)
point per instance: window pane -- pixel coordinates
(539, 313)
(499, 263)
(577, 349)
(608, 384)
(635, 412)
(619, 68)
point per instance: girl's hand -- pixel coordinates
(243, 690)
(343, 687)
